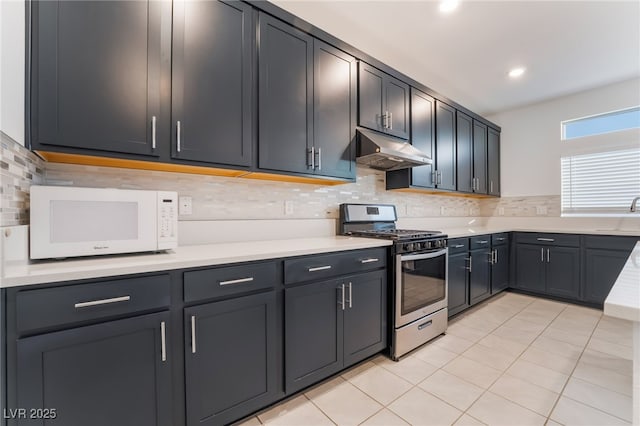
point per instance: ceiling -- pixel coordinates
(566, 46)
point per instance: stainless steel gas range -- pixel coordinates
(418, 273)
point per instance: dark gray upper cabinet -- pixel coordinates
(108, 374)
(445, 146)
(423, 136)
(97, 74)
(493, 161)
(334, 111)
(285, 96)
(479, 157)
(464, 147)
(231, 366)
(307, 103)
(211, 83)
(383, 102)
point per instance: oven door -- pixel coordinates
(421, 285)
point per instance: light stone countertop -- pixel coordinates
(20, 274)
(624, 298)
(482, 230)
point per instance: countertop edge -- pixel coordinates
(623, 300)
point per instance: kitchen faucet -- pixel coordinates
(632, 209)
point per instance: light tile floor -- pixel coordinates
(513, 360)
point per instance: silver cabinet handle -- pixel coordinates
(320, 268)
(350, 296)
(434, 177)
(547, 255)
(371, 260)
(391, 120)
(490, 186)
(550, 240)
(319, 154)
(178, 136)
(500, 238)
(342, 301)
(385, 123)
(473, 184)
(458, 246)
(482, 242)
(163, 341)
(153, 132)
(439, 177)
(496, 254)
(193, 334)
(102, 302)
(311, 152)
(238, 281)
(542, 255)
(470, 264)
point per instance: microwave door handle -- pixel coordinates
(421, 256)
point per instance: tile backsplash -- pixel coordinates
(19, 169)
(221, 198)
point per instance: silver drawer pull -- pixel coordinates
(458, 246)
(102, 302)
(238, 281)
(163, 341)
(369, 260)
(500, 238)
(424, 325)
(193, 334)
(482, 242)
(546, 239)
(320, 268)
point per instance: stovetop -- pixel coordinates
(397, 234)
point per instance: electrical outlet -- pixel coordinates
(541, 210)
(500, 211)
(443, 211)
(288, 208)
(185, 206)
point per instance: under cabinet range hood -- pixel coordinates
(387, 153)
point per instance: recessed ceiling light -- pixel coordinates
(516, 72)
(447, 6)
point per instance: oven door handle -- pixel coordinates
(421, 256)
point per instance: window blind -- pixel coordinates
(601, 183)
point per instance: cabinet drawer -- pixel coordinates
(50, 307)
(499, 239)
(330, 265)
(458, 245)
(211, 283)
(571, 240)
(610, 242)
(479, 242)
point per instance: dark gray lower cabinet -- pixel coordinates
(602, 268)
(323, 334)
(458, 297)
(530, 268)
(114, 373)
(230, 358)
(480, 275)
(563, 272)
(500, 269)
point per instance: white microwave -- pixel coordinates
(73, 221)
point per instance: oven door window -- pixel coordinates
(423, 283)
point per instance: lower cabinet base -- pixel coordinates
(558, 299)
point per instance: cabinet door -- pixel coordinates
(530, 267)
(285, 82)
(500, 269)
(334, 111)
(493, 161)
(313, 333)
(602, 268)
(397, 104)
(97, 69)
(371, 86)
(365, 325)
(563, 271)
(480, 275)
(464, 153)
(446, 146)
(211, 83)
(480, 157)
(458, 291)
(423, 136)
(101, 375)
(231, 366)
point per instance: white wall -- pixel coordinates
(12, 54)
(530, 141)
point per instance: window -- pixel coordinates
(600, 184)
(601, 123)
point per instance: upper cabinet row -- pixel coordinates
(221, 85)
